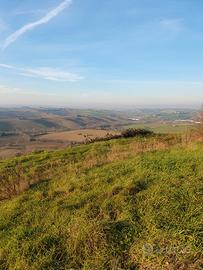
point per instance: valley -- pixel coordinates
(24, 130)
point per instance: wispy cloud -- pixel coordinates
(47, 73)
(6, 66)
(28, 27)
(4, 89)
(172, 25)
(29, 12)
(53, 74)
(159, 28)
(11, 90)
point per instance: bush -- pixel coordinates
(128, 133)
(134, 132)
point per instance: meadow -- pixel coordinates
(130, 203)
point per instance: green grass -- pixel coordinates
(121, 204)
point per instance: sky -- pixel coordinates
(101, 54)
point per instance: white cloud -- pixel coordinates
(9, 90)
(161, 28)
(172, 25)
(16, 91)
(52, 74)
(28, 27)
(47, 73)
(6, 66)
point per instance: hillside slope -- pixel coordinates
(121, 204)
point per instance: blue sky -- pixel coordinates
(109, 53)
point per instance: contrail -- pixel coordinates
(53, 13)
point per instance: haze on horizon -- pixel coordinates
(101, 54)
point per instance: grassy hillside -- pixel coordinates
(122, 204)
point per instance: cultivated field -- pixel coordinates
(80, 136)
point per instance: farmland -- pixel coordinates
(76, 135)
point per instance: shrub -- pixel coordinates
(127, 133)
(134, 132)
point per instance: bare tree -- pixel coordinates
(200, 122)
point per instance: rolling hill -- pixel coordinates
(27, 129)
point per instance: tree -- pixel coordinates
(200, 122)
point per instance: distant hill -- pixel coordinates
(23, 130)
(35, 120)
(120, 204)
